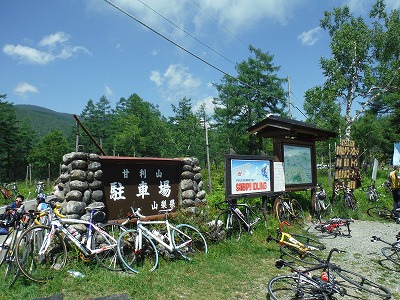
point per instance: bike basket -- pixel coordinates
(99, 216)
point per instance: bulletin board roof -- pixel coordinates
(280, 127)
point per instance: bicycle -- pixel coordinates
(5, 191)
(287, 209)
(42, 250)
(297, 246)
(384, 213)
(237, 217)
(138, 252)
(333, 227)
(344, 195)
(39, 187)
(392, 253)
(320, 204)
(331, 280)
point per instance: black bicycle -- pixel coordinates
(344, 196)
(383, 213)
(323, 282)
(239, 217)
(392, 252)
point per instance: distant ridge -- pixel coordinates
(44, 120)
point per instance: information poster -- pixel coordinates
(298, 169)
(279, 177)
(396, 154)
(250, 176)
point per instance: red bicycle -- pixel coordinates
(334, 227)
(5, 191)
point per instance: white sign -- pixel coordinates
(279, 177)
(374, 169)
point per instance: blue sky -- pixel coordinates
(60, 54)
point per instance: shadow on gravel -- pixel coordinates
(388, 265)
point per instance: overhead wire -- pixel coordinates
(186, 50)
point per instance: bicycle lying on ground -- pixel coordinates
(287, 209)
(5, 191)
(238, 217)
(320, 204)
(138, 251)
(331, 281)
(42, 250)
(333, 227)
(383, 213)
(392, 253)
(297, 246)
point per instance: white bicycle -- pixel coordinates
(137, 249)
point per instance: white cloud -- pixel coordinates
(24, 88)
(177, 82)
(208, 105)
(55, 46)
(310, 37)
(108, 91)
(233, 14)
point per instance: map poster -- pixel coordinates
(297, 164)
(250, 176)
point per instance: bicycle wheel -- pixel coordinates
(289, 287)
(380, 212)
(315, 207)
(109, 259)
(306, 256)
(40, 267)
(12, 270)
(231, 225)
(358, 286)
(392, 254)
(281, 213)
(142, 260)
(297, 210)
(188, 241)
(350, 201)
(4, 247)
(261, 212)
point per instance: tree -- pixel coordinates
(187, 130)
(247, 99)
(46, 156)
(358, 69)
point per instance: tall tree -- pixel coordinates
(247, 99)
(187, 130)
(357, 69)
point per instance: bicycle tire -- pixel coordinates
(12, 270)
(288, 287)
(4, 250)
(360, 287)
(315, 207)
(392, 254)
(258, 211)
(281, 212)
(40, 268)
(109, 259)
(297, 210)
(232, 225)
(188, 240)
(307, 257)
(145, 260)
(380, 212)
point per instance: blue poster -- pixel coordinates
(250, 176)
(396, 154)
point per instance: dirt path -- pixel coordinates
(364, 256)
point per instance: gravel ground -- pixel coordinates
(364, 256)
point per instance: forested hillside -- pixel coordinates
(43, 120)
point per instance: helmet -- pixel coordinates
(41, 197)
(321, 195)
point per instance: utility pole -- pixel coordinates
(290, 98)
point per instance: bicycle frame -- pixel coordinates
(169, 246)
(241, 216)
(86, 247)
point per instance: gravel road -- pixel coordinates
(365, 257)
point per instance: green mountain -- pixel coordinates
(44, 120)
